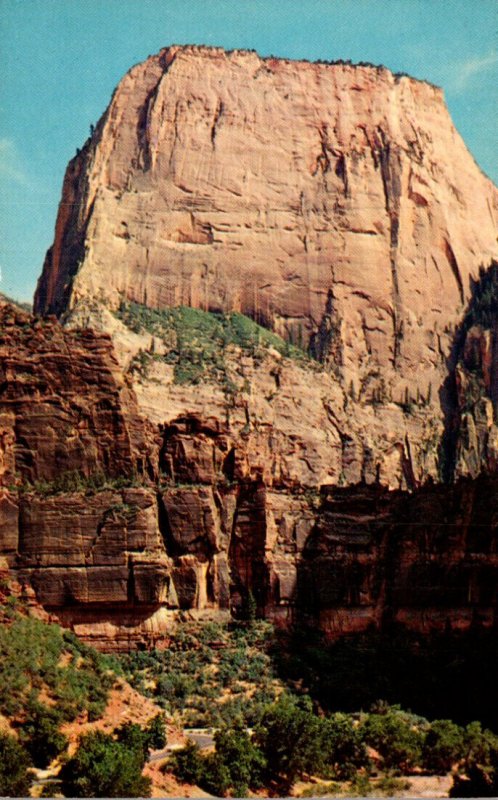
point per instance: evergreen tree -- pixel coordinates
(14, 765)
(105, 767)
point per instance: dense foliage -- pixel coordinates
(104, 766)
(14, 768)
(296, 742)
(288, 736)
(34, 654)
(275, 718)
(235, 767)
(292, 742)
(38, 661)
(396, 736)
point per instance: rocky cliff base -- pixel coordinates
(118, 524)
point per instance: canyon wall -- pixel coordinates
(117, 524)
(275, 371)
(334, 204)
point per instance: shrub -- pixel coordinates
(236, 766)
(40, 734)
(14, 768)
(479, 745)
(393, 734)
(156, 733)
(237, 756)
(134, 738)
(343, 749)
(104, 767)
(289, 738)
(479, 774)
(175, 688)
(215, 776)
(187, 764)
(443, 746)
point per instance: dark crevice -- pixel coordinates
(145, 156)
(450, 255)
(342, 172)
(323, 159)
(229, 465)
(165, 528)
(217, 116)
(390, 168)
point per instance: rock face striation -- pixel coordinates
(338, 463)
(332, 203)
(70, 437)
(116, 524)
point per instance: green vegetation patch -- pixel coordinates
(14, 768)
(269, 732)
(210, 674)
(35, 655)
(110, 765)
(196, 341)
(76, 481)
(358, 754)
(48, 677)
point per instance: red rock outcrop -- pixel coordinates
(65, 406)
(69, 428)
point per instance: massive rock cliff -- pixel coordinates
(294, 263)
(334, 204)
(72, 449)
(326, 201)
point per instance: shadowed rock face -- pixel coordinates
(337, 206)
(69, 431)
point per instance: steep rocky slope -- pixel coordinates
(115, 539)
(337, 462)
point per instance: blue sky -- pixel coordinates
(61, 60)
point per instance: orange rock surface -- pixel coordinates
(333, 203)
